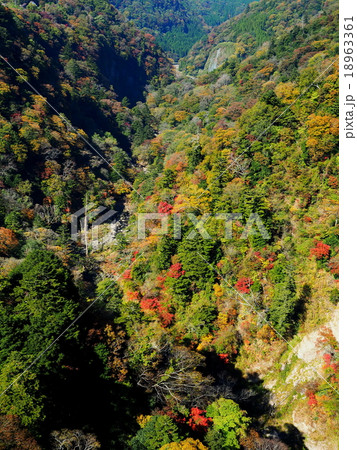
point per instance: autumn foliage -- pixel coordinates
(176, 271)
(323, 134)
(13, 435)
(165, 208)
(312, 401)
(243, 285)
(8, 241)
(162, 311)
(198, 421)
(169, 333)
(320, 251)
(127, 274)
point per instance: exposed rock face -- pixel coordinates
(219, 55)
(307, 429)
(308, 351)
(305, 362)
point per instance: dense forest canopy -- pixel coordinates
(156, 341)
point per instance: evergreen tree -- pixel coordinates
(158, 431)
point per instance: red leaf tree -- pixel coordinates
(165, 208)
(162, 311)
(320, 251)
(198, 422)
(175, 271)
(243, 285)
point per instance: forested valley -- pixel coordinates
(221, 337)
(178, 24)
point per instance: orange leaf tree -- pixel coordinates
(8, 241)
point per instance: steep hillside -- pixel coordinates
(178, 24)
(90, 66)
(220, 332)
(242, 35)
(70, 76)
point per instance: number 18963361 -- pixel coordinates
(348, 46)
